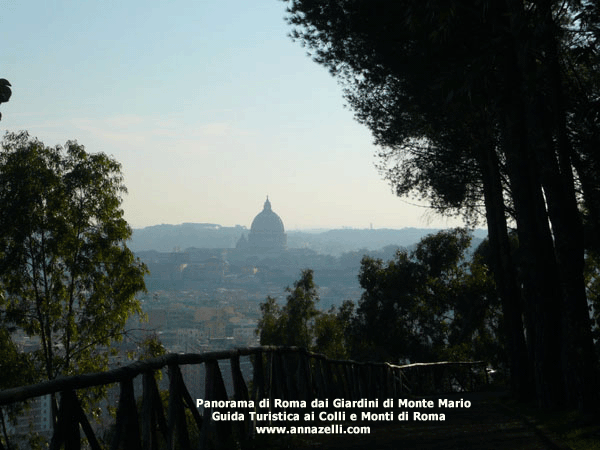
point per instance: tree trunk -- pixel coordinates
(505, 274)
(553, 153)
(536, 251)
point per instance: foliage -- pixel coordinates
(16, 367)
(150, 347)
(332, 331)
(400, 80)
(300, 310)
(434, 303)
(480, 103)
(292, 324)
(68, 278)
(269, 326)
(592, 278)
(300, 324)
(427, 305)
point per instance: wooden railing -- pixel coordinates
(285, 373)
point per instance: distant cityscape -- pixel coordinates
(206, 284)
(205, 293)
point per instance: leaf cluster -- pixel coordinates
(291, 324)
(436, 302)
(299, 323)
(427, 305)
(66, 273)
(409, 74)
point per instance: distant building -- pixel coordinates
(37, 418)
(267, 233)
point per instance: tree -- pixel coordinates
(409, 73)
(472, 99)
(66, 273)
(298, 323)
(300, 310)
(292, 324)
(270, 327)
(17, 369)
(427, 305)
(333, 331)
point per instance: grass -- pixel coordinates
(576, 430)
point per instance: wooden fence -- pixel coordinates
(144, 421)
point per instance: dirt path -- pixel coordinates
(485, 425)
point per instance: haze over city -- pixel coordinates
(209, 107)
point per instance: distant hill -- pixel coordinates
(167, 238)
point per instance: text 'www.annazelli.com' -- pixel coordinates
(328, 429)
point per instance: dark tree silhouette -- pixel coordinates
(474, 101)
(426, 305)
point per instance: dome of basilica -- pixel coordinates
(267, 221)
(266, 233)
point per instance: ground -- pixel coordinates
(487, 424)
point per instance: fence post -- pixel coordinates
(176, 413)
(67, 426)
(289, 374)
(127, 428)
(304, 378)
(258, 377)
(240, 392)
(152, 413)
(215, 390)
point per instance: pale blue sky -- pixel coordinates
(208, 105)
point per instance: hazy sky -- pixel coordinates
(207, 104)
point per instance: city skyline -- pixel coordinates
(208, 106)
